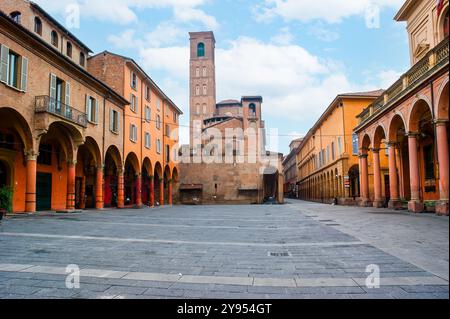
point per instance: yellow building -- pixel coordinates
(327, 158)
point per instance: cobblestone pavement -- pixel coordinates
(298, 250)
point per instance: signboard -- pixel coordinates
(347, 181)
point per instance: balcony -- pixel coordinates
(435, 60)
(46, 104)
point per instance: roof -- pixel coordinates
(401, 14)
(229, 102)
(144, 73)
(375, 93)
(64, 58)
(60, 26)
(257, 98)
(202, 34)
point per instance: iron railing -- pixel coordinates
(45, 103)
(432, 62)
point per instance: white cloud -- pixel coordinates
(388, 77)
(123, 11)
(331, 11)
(284, 37)
(323, 33)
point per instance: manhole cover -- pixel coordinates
(279, 254)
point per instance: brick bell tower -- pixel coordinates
(202, 78)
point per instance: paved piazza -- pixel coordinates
(298, 250)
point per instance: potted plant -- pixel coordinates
(5, 200)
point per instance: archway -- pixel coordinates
(159, 184)
(398, 136)
(422, 127)
(167, 186)
(113, 167)
(147, 183)
(270, 182)
(443, 147)
(353, 174)
(87, 178)
(380, 147)
(55, 181)
(131, 180)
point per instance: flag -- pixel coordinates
(439, 6)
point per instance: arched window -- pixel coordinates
(197, 109)
(197, 72)
(205, 90)
(69, 49)
(82, 59)
(201, 49)
(197, 90)
(16, 16)
(252, 108)
(54, 38)
(204, 71)
(204, 109)
(38, 25)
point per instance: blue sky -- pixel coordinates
(297, 54)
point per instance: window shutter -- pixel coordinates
(111, 120)
(24, 75)
(136, 105)
(4, 61)
(118, 122)
(131, 102)
(67, 101)
(131, 131)
(52, 103)
(88, 108)
(96, 111)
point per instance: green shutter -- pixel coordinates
(4, 63)
(24, 74)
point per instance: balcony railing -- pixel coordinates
(434, 60)
(45, 103)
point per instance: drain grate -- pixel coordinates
(279, 254)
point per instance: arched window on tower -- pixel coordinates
(54, 38)
(69, 49)
(197, 109)
(16, 16)
(205, 90)
(204, 109)
(38, 25)
(252, 110)
(82, 59)
(197, 72)
(204, 71)
(201, 49)
(197, 90)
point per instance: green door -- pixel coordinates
(44, 191)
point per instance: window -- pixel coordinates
(148, 93)
(167, 110)
(158, 146)
(158, 104)
(204, 71)
(204, 109)
(197, 109)
(147, 140)
(201, 50)
(328, 154)
(197, 90)
(355, 144)
(13, 69)
(133, 103)
(158, 121)
(333, 153)
(167, 130)
(82, 59)
(60, 95)
(16, 16)
(175, 117)
(339, 145)
(133, 133)
(197, 72)
(252, 108)
(133, 82)
(114, 121)
(148, 114)
(92, 109)
(167, 153)
(205, 91)
(54, 38)
(69, 49)
(38, 25)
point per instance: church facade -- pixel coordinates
(226, 161)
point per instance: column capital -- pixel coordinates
(413, 134)
(363, 155)
(392, 143)
(376, 150)
(440, 122)
(71, 162)
(31, 155)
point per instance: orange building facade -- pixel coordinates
(412, 119)
(327, 159)
(64, 135)
(151, 126)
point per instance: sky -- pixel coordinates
(297, 54)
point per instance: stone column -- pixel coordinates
(152, 191)
(415, 205)
(394, 201)
(161, 192)
(442, 149)
(364, 201)
(70, 205)
(30, 195)
(378, 202)
(138, 190)
(99, 188)
(120, 190)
